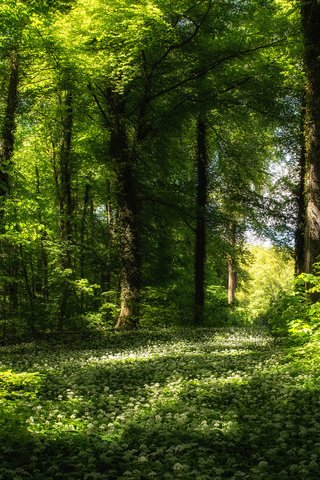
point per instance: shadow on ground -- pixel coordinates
(226, 412)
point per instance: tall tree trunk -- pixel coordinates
(86, 199)
(65, 198)
(129, 245)
(8, 132)
(125, 158)
(30, 292)
(106, 275)
(301, 202)
(232, 278)
(6, 153)
(200, 241)
(43, 260)
(66, 206)
(311, 28)
(231, 281)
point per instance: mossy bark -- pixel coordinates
(125, 158)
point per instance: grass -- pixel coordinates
(165, 404)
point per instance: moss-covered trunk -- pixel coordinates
(125, 159)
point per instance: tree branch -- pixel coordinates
(96, 99)
(184, 42)
(170, 205)
(200, 73)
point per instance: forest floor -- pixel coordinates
(167, 404)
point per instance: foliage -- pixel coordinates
(287, 314)
(271, 273)
(297, 314)
(159, 307)
(151, 67)
(15, 385)
(160, 403)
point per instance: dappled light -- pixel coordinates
(191, 404)
(159, 239)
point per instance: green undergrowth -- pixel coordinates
(164, 404)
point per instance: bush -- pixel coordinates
(287, 310)
(297, 314)
(158, 307)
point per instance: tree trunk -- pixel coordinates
(301, 203)
(43, 259)
(65, 199)
(200, 241)
(129, 246)
(8, 132)
(106, 275)
(30, 292)
(6, 153)
(125, 158)
(232, 277)
(311, 27)
(231, 281)
(66, 206)
(86, 199)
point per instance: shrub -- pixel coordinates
(297, 314)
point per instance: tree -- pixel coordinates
(310, 13)
(105, 199)
(146, 63)
(8, 129)
(301, 201)
(232, 274)
(13, 19)
(201, 206)
(65, 189)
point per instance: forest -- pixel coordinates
(159, 239)
(141, 144)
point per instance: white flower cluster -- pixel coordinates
(195, 405)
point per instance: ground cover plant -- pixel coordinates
(162, 404)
